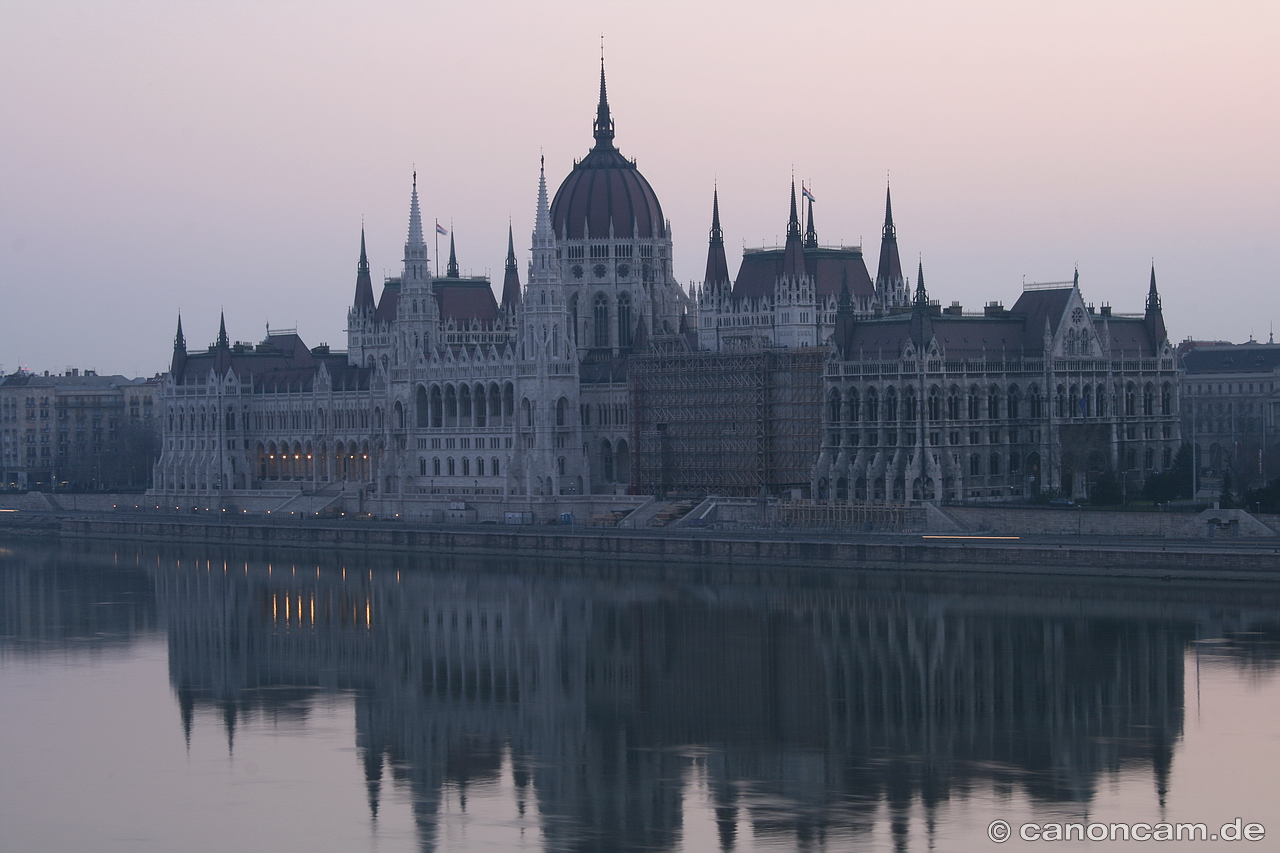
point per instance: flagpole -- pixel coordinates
(437, 233)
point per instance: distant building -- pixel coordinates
(76, 430)
(1230, 411)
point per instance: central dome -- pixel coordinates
(606, 189)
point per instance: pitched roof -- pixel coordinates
(828, 266)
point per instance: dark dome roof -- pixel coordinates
(605, 187)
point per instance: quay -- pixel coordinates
(1255, 558)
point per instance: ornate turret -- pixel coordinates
(717, 275)
(222, 348)
(890, 285)
(511, 282)
(363, 303)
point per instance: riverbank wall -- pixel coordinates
(1242, 559)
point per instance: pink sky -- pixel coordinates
(206, 156)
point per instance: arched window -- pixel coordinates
(450, 466)
(953, 403)
(890, 404)
(854, 408)
(562, 406)
(466, 466)
(600, 317)
(479, 466)
(1100, 398)
(873, 405)
(1036, 401)
(993, 403)
(1130, 401)
(625, 328)
(833, 406)
(1166, 401)
(1148, 401)
(911, 414)
(935, 403)
(974, 404)
(1014, 410)
(606, 458)
(494, 466)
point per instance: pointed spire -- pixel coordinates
(364, 302)
(542, 269)
(717, 265)
(223, 342)
(922, 296)
(793, 256)
(793, 224)
(179, 361)
(415, 248)
(452, 270)
(1155, 317)
(810, 235)
(891, 286)
(179, 340)
(604, 122)
(889, 232)
(511, 282)
(415, 216)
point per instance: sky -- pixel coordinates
(205, 157)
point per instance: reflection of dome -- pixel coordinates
(603, 188)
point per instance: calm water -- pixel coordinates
(185, 699)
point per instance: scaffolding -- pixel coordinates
(841, 516)
(738, 424)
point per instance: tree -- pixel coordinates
(1174, 483)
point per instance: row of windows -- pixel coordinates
(1069, 402)
(463, 467)
(1234, 387)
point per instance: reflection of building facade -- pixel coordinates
(833, 702)
(1230, 410)
(932, 403)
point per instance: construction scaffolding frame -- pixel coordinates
(864, 517)
(738, 424)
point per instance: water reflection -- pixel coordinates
(811, 707)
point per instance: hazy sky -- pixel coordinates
(206, 156)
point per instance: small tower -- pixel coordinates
(793, 256)
(179, 361)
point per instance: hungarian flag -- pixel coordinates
(804, 191)
(440, 230)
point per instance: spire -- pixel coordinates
(363, 303)
(891, 286)
(179, 361)
(511, 282)
(793, 257)
(889, 232)
(921, 316)
(717, 265)
(415, 248)
(543, 267)
(222, 343)
(793, 224)
(603, 123)
(810, 235)
(1154, 319)
(452, 270)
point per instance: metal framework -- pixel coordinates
(738, 424)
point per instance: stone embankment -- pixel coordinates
(1254, 558)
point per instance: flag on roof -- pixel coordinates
(440, 229)
(804, 191)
